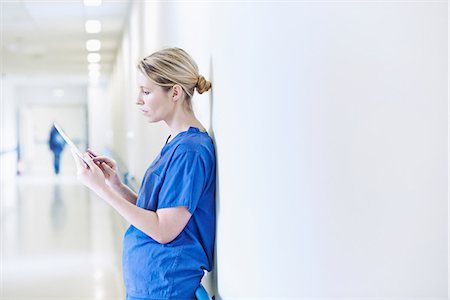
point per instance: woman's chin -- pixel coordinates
(151, 120)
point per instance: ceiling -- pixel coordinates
(49, 38)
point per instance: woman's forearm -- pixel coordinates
(146, 221)
(126, 193)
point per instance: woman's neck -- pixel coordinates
(181, 123)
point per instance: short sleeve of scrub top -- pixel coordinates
(183, 185)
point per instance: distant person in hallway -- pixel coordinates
(170, 241)
(56, 144)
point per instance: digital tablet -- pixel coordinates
(70, 143)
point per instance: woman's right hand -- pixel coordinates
(108, 167)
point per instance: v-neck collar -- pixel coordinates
(190, 129)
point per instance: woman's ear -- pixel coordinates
(177, 92)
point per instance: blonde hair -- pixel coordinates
(171, 66)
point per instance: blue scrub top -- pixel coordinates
(183, 174)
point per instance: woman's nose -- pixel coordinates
(139, 101)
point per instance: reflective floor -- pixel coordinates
(58, 240)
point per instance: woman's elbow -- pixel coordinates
(163, 237)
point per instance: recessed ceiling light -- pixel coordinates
(93, 45)
(92, 2)
(93, 26)
(94, 57)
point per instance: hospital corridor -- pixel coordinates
(215, 150)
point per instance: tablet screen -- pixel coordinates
(70, 143)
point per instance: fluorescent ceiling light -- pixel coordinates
(94, 67)
(93, 45)
(93, 26)
(94, 57)
(92, 2)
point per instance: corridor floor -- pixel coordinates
(58, 241)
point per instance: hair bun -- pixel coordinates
(203, 85)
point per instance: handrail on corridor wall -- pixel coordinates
(2, 152)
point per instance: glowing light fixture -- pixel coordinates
(94, 57)
(93, 45)
(93, 26)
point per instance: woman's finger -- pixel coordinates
(100, 165)
(105, 163)
(89, 161)
(104, 167)
(103, 158)
(106, 160)
(92, 152)
(108, 169)
(97, 162)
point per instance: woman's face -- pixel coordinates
(153, 101)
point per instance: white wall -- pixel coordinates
(330, 121)
(99, 116)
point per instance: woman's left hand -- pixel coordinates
(90, 175)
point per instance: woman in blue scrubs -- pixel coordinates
(170, 241)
